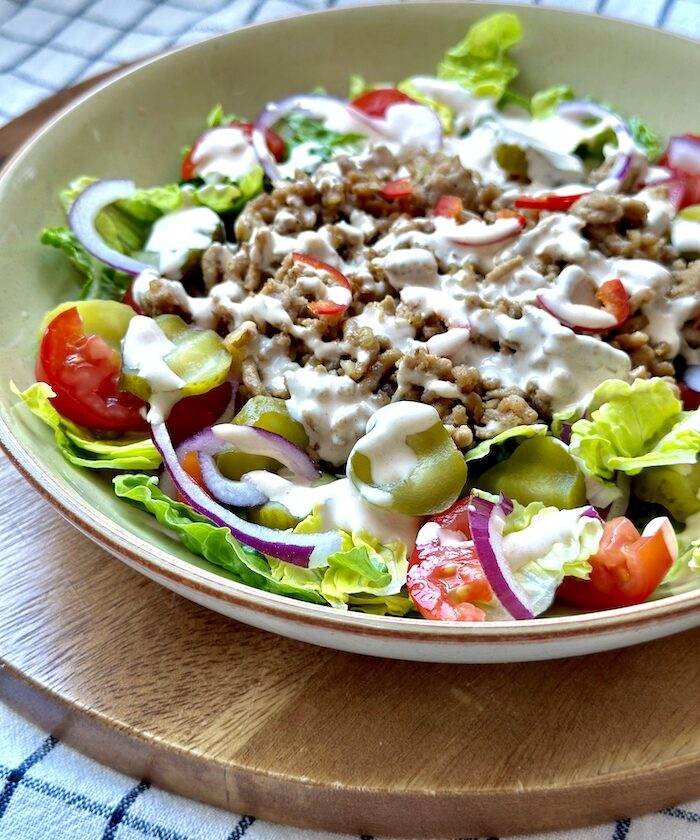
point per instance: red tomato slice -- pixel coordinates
(375, 103)
(275, 144)
(192, 414)
(399, 188)
(83, 371)
(327, 306)
(444, 580)
(449, 206)
(130, 300)
(615, 300)
(626, 569)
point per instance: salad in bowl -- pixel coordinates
(432, 349)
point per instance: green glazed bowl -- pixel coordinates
(135, 126)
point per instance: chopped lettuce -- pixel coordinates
(298, 128)
(685, 572)
(100, 280)
(484, 448)
(633, 427)
(645, 137)
(80, 446)
(544, 103)
(480, 61)
(443, 111)
(364, 575)
(218, 117)
(543, 545)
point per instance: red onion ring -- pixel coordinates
(488, 538)
(684, 153)
(311, 104)
(306, 550)
(582, 109)
(83, 213)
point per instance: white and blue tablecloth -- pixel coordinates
(47, 790)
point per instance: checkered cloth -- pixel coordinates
(47, 790)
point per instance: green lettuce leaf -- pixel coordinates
(684, 574)
(633, 427)
(363, 575)
(480, 62)
(543, 545)
(218, 117)
(645, 137)
(217, 545)
(443, 111)
(99, 280)
(544, 103)
(80, 446)
(297, 128)
(484, 448)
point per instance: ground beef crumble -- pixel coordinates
(354, 216)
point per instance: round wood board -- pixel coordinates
(161, 689)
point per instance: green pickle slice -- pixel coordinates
(269, 413)
(431, 486)
(199, 358)
(540, 470)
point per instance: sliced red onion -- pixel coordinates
(684, 153)
(582, 109)
(81, 217)
(691, 377)
(576, 315)
(254, 441)
(478, 234)
(300, 549)
(392, 128)
(313, 105)
(486, 523)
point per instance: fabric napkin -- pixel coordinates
(47, 790)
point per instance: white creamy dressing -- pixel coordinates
(553, 526)
(468, 109)
(224, 154)
(538, 349)
(334, 410)
(385, 444)
(393, 327)
(144, 349)
(175, 236)
(338, 505)
(685, 235)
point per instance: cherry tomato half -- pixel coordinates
(83, 371)
(626, 569)
(200, 411)
(445, 578)
(275, 144)
(375, 103)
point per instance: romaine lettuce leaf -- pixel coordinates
(80, 446)
(543, 545)
(100, 280)
(364, 573)
(480, 61)
(544, 103)
(633, 427)
(363, 576)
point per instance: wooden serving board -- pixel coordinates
(161, 689)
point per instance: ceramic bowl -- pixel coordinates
(134, 128)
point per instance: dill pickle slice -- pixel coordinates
(199, 358)
(674, 487)
(107, 318)
(540, 470)
(273, 515)
(430, 487)
(271, 413)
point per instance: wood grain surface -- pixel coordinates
(157, 687)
